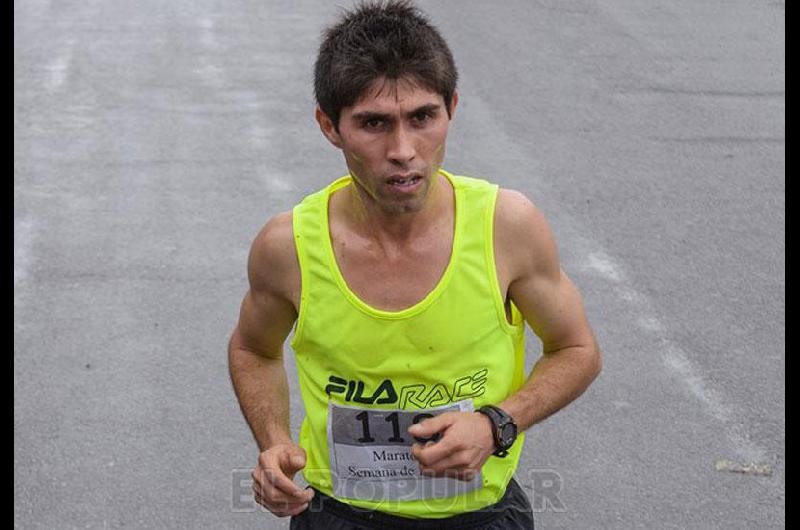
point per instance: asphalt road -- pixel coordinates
(153, 139)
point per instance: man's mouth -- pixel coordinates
(404, 182)
(408, 181)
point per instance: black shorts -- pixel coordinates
(513, 511)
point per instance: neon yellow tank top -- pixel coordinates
(367, 374)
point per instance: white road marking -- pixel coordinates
(211, 72)
(23, 235)
(602, 264)
(207, 36)
(59, 68)
(258, 135)
(277, 183)
(673, 357)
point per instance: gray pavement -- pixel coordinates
(153, 139)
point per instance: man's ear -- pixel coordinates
(327, 128)
(453, 104)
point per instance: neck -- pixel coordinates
(396, 228)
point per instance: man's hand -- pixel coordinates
(465, 444)
(272, 480)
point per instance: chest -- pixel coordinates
(398, 278)
(391, 279)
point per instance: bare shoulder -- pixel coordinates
(544, 294)
(273, 266)
(523, 238)
(268, 311)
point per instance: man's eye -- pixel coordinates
(373, 123)
(422, 117)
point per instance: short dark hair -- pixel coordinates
(391, 39)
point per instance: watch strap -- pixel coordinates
(497, 417)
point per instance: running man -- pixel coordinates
(408, 289)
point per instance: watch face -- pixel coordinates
(508, 433)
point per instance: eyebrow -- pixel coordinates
(369, 115)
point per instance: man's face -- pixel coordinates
(393, 140)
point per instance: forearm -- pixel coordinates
(557, 379)
(262, 389)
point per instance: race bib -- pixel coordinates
(371, 458)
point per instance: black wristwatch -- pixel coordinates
(504, 429)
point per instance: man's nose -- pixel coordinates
(401, 146)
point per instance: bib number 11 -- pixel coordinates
(393, 418)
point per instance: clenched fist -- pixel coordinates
(466, 443)
(272, 480)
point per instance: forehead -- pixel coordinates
(395, 95)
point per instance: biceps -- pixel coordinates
(264, 323)
(554, 310)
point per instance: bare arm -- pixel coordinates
(552, 306)
(255, 359)
(255, 351)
